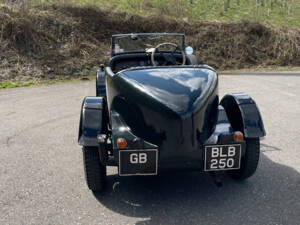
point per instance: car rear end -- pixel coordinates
(168, 118)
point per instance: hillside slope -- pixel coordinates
(275, 12)
(44, 42)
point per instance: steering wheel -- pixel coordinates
(170, 58)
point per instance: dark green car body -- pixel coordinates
(173, 109)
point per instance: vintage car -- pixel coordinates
(157, 109)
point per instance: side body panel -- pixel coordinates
(243, 114)
(121, 130)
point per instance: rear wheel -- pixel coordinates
(249, 161)
(95, 172)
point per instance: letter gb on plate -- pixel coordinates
(222, 157)
(138, 162)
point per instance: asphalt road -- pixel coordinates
(42, 180)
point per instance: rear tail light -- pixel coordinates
(121, 143)
(238, 136)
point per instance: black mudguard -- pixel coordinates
(100, 83)
(243, 114)
(90, 125)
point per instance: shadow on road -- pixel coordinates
(271, 196)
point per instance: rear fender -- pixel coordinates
(90, 125)
(243, 114)
(100, 83)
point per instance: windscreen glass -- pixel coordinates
(143, 43)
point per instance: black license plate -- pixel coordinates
(138, 162)
(222, 157)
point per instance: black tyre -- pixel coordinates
(95, 172)
(249, 161)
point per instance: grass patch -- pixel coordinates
(68, 80)
(8, 84)
(275, 12)
(263, 69)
